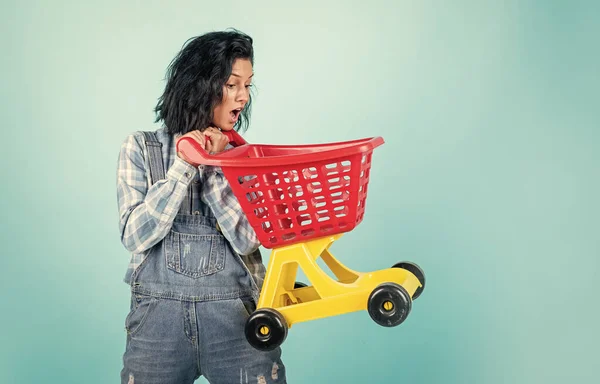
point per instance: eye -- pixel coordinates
(249, 86)
(230, 86)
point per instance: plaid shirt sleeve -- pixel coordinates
(146, 214)
(217, 194)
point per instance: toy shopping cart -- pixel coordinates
(299, 200)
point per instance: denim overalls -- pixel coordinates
(190, 299)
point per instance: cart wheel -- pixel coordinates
(389, 304)
(266, 329)
(299, 284)
(415, 270)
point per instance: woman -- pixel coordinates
(195, 271)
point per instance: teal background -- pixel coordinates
(489, 178)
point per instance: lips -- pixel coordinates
(235, 114)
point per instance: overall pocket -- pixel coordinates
(141, 306)
(194, 255)
(249, 304)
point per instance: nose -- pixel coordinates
(243, 95)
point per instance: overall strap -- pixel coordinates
(155, 160)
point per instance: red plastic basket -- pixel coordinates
(294, 193)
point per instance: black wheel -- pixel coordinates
(266, 329)
(389, 304)
(299, 284)
(415, 270)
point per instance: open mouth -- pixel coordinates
(235, 114)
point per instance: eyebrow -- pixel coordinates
(236, 75)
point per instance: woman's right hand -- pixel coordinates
(198, 137)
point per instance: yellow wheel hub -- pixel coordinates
(388, 305)
(264, 330)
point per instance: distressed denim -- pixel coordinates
(191, 296)
(190, 299)
(173, 341)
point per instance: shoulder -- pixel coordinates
(133, 140)
(136, 141)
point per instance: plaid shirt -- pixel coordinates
(147, 214)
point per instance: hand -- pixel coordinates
(216, 140)
(198, 137)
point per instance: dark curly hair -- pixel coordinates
(195, 80)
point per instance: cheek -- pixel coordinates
(229, 96)
(220, 110)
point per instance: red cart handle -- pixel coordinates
(248, 155)
(235, 138)
(197, 155)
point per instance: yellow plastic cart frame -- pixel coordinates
(387, 294)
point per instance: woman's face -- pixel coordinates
(235, 95)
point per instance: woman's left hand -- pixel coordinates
(217, 141)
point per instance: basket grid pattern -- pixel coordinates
(290, 204)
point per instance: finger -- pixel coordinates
(217, 135)
(213, 137)
(207, 140)
(213, 128)
(192, 135)
(199, 137)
